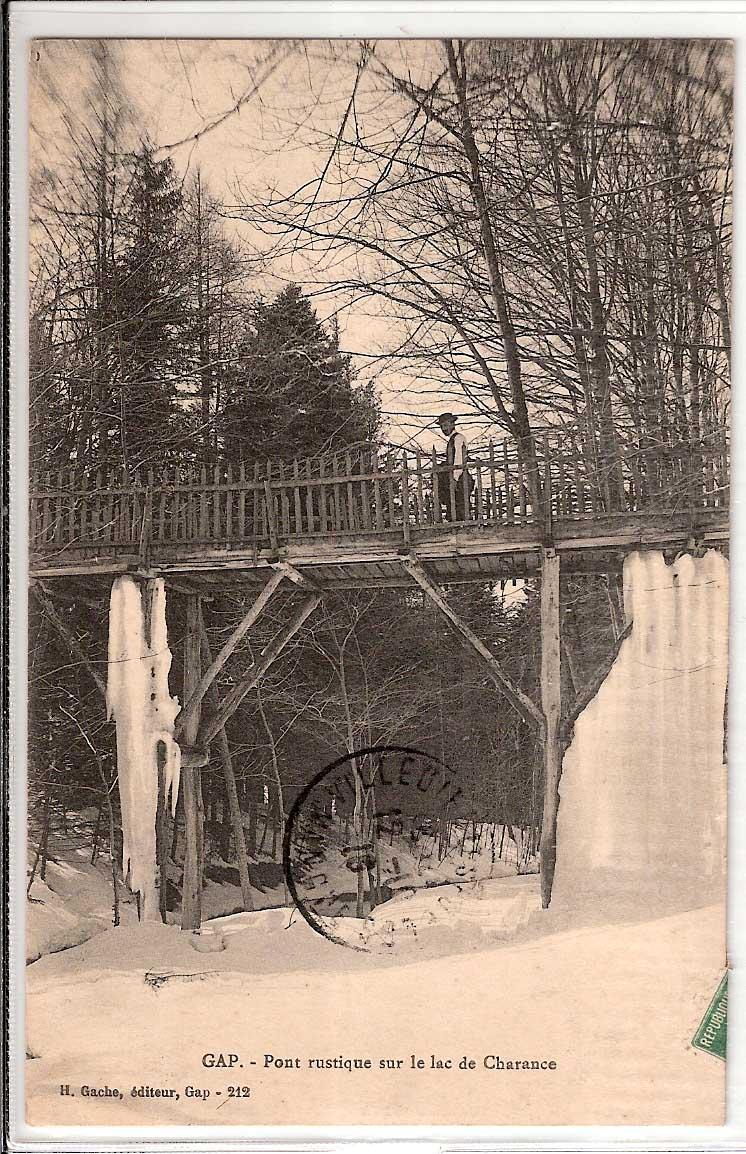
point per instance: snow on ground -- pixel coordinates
(73, 903)
(409, 868)
(278, 988)
(438, 918)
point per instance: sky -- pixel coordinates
(256, 118)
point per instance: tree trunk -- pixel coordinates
(231, 791)
(519, 416)
(551, 705)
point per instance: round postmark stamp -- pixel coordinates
(375, 824)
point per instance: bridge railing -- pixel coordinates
(367, 492)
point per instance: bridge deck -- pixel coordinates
(347, 521)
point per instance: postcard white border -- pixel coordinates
(353, 18)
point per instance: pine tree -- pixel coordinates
(149, 296)
(291, 391)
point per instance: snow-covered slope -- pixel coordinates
(73, 904)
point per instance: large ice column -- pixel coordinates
(643, 782)
(138, 699)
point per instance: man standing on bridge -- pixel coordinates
(459, 483)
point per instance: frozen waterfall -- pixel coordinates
(138, 699)
(643, 783)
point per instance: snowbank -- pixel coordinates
(72, 905)
(643, 783)
(51, 926)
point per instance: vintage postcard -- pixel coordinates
(378, 538)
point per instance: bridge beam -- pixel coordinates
(520, 701)
(295, 575)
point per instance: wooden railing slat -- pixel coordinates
(375, 466)
(352, 520)
(390, 498)
(71, 508)
(162, 506)
(310, 520)
(256, 522)
(509, 511)
(216, 510)
(175, 510)
(204, 512)
(270, 508)
(521, 483)
(619, 468)
(479, 497)
(98, 506)
(419, 493)
(493, 483)
(323, 523)
(578, 478)
(365, 493)
(405, 497)
(283, 501)
(241, 502)
(297, 505)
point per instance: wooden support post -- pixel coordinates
(191, 777)
(528, 710)
(194, 700)
(551, 707)
(161, 839)
(231, 792)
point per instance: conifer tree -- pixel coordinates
(151, 307)
(292, 391)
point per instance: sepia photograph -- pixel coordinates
(378, 565)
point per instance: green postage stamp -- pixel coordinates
(712, 1034)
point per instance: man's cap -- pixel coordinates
(447, 417)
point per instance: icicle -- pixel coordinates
(138, 699)
(164, 707)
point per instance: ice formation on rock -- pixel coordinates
(138, 699)
(643, 782)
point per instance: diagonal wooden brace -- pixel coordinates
(215, 723)
(528, 710)
(195, 698)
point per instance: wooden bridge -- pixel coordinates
(345, 520)
(360, 519)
